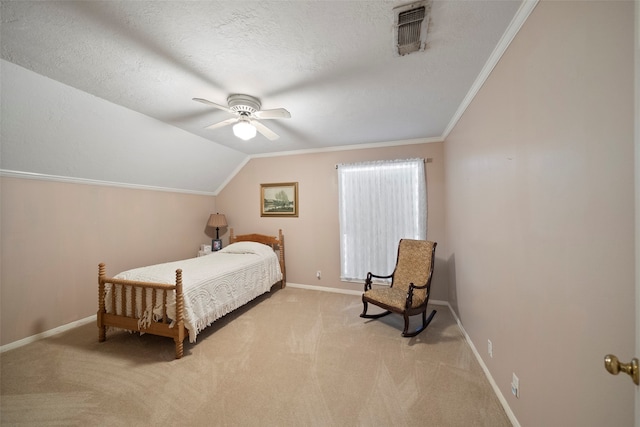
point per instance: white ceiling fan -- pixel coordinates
(246, 110)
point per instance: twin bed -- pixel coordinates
(181, 298)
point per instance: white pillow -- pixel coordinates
(247, 248)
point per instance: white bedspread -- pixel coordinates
(213, 285)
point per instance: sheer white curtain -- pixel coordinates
(380, 203)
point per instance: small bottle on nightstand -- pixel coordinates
(204, 250)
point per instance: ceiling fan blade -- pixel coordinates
(265, 131)
(277, 113)
(213, 104)
(223, 123)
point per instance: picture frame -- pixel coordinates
(279, 199)
(216, 245)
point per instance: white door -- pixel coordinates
(637, 183)
(637, 192)
(611, 364)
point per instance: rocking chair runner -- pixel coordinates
(410, 285)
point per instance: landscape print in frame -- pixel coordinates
(279, 199)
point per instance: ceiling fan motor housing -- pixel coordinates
(243, 103)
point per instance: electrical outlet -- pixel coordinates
(490, 348)
(318, 274)
(515, 386)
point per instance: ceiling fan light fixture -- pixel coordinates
(248, 114)
(244, 130)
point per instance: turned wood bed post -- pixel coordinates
(281, 253)
(179, 315)
(102, 329)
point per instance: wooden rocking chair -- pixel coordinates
(410, 285)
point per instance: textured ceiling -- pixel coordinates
(330, 63)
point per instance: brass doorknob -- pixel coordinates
(613, 365)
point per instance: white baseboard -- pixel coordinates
(494, 385)
(347, 291)
(45, 334)
(324, 289)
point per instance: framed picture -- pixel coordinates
(280, 199)
(216, 245)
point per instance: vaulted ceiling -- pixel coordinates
(331, 64)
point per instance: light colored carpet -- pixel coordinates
(293, 357)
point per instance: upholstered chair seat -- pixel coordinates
(394, 298)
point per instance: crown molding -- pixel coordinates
(74, 180)
(518, 20)
(350, 147)
(232, 175)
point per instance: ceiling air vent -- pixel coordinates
(410, 29)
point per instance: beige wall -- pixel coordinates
(54, 235)
(540, 211)
(312, 239)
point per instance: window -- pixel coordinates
(379, 203)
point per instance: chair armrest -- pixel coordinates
(409, 301)
(368, 282)
(379, 277)
(412, 286)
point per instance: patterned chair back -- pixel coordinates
(414, 264)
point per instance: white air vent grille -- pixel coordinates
(411, 22)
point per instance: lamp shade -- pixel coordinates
(244, 130)
(217, 220)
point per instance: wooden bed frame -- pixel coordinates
(161, 326)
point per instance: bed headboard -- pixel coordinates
(276, 243)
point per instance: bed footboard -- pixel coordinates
(128, 319)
